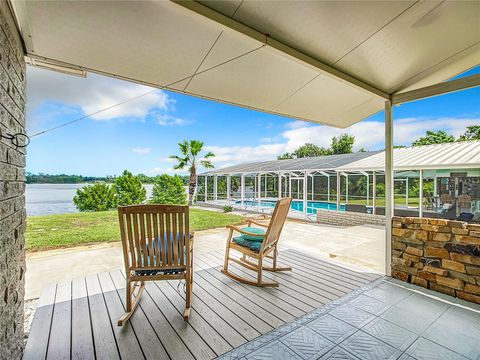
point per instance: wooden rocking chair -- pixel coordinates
(157, 245)
(258, 245)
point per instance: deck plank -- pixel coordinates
(270, 295)
(82, 340)
(60, 332)
(104, 340)
(253, 314)
(150, 344)
(197, 346)
(37, 344)
(224, 315)
(127, 342)
(168, 336)
(291, 286)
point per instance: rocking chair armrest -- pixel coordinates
(241, 231)
(249, 222)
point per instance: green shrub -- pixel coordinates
(169, 190)
(129, 189)
(98, 197)
(227, 208)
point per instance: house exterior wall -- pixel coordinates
(438, 254)
(12, 187)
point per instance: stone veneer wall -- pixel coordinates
(438, 254)
(12, 186)
(348, 218)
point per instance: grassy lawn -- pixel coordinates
(66, 230)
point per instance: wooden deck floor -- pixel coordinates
(77, 319)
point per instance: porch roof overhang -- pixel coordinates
(327, 62)
(450, 156)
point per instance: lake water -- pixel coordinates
(46, 199)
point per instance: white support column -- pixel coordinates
(259, 188)
(289, 185)
(420, 200)
(389, 173)
(215, 187)
(313, 185)
(328, 188)
(229, 186)
(242, 187)
(206, 188)
(338, 190)
(346, 188)
(305, 187)
(374, 192)
(368, 189)
(406, 192)
(279, 186)
(435, 189)
(266, 185)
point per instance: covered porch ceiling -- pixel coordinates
(327, 62)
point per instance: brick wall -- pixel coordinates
(438, 254)
(348, 218)
(12, 186)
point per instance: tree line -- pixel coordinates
(343, 144)
(42, 178)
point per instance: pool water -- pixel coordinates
(312, 206)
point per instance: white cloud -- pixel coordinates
(168, 120)
(141, 150)
(239, 154)
(94, 93)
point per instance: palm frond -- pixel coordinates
(209, 155)
(184, 147)
(207, 164)
(195, 147)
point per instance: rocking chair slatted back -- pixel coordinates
(155, 236)
(277, 221)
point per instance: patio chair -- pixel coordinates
(258, 244)
(157, 245)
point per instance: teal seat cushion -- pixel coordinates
(252, 245)
(255, 231)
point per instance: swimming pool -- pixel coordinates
(312, 206)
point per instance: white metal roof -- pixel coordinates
(450, 156)
(320, 163)
(331, 62)
(458, 155)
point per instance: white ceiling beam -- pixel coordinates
(437, 89)
(280, 47)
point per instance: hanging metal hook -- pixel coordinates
(19, 140)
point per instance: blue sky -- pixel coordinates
(141, 134)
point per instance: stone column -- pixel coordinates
(12, 188)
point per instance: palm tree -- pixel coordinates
(190, 158)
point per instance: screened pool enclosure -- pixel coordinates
(435, 180)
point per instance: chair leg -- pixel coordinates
(259, 271)
(274, 267)
(188, 296)
(227, 252)
(131, 306)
